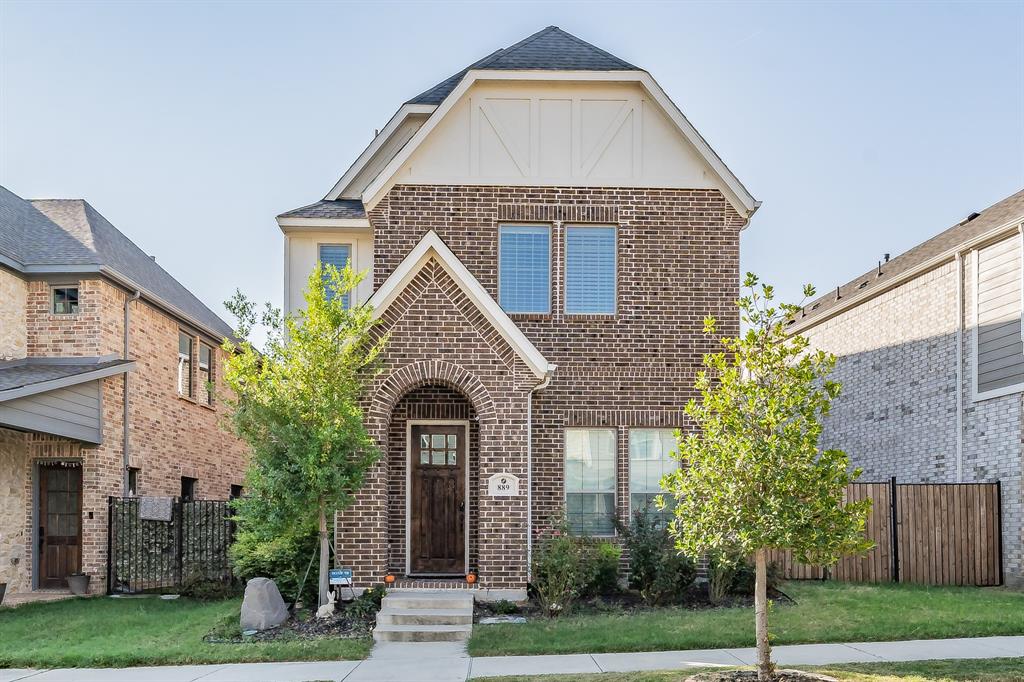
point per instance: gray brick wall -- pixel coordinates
(897, 412)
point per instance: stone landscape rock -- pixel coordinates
(262, 606)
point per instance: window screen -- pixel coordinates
(184, 364)
(590, 480)
(205, 373)
(590, 270)
(524, 270)
(338, 255)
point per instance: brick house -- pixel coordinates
(94, 335)
(544, 233)
(932, 365)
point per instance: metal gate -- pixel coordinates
(152, 555)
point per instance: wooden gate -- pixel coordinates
(932, 534)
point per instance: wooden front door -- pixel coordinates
(60, 523)
(437, 499)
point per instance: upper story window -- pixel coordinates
(650, 458)
(590, 265)
(590, 480)
(65, 300)
(524, 268)
(205, 373)
(184, 365)
(338, 255)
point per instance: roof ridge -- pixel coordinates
(606, 53)
(515, 46)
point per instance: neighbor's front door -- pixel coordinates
(437, 499)
(60, 523)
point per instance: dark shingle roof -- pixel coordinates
(27, 372)
(339, 208)
(549, 50)
(54, 233)
(992, 217)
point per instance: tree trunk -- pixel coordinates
(765, 669)
(323, 557)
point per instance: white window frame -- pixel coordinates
(351, 262)
(975, 256)
(565, 278)
(551, 256)
(629, 465)
(181, 360)
(615, 479)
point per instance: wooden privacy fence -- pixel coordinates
(928, 533)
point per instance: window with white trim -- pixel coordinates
(650, 458)
(590, 480)
(205, 373)
(184, 365)
(524, 268)
(340, 256)
(590, 270)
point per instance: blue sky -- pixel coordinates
(863, 127)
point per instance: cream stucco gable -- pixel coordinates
(432, 247)
(559, 129)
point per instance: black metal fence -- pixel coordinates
(148, 555)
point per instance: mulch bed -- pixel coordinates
(304, 625)
(627, 601)
(751, 676)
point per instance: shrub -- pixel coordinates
(283, 559)
(366, 605)
(202, 588)
(729, 574)
(601, 565)
(721, 574)
(504, 607)
(746, 574)
(656, 568)
(559, 573)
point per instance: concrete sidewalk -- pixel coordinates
(448, 662)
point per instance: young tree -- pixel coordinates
(753, 477)
(296, 403)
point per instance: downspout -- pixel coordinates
(959, 367)
(124, 423)
(529, 468)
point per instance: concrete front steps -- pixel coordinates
(423, 616)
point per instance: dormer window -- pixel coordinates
(65, 300)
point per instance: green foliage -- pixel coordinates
(366, 605)
(734, 575)
(601, 561)
(656, 568)
(504, 607)
(282, 558)
(743, 581)
(568, 567)
(296, 403)
(202, 588)
(755, 477)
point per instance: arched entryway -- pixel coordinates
(433, 461)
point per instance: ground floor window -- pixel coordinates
(188, 488)
(590, 480)
(133, 481)
(650, 458)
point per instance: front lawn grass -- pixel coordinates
(975, 670)
(823, 612)
(104, 632)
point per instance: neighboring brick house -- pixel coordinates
(69, 283)
(932, 364)
(544, 233)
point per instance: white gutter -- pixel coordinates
(529, 468)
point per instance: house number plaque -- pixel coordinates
(503, 485)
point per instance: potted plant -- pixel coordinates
(78, 583)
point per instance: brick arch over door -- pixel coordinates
(416, 374)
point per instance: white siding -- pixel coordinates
(1000, 350)
(73, 412)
